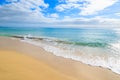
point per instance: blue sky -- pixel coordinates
(60, 13)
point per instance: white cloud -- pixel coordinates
(21, 11)
(54, 15)
(63, 7)
(86, 7)
(68, 4)
(107, 21)
(117, 14)
(72, 22)
(96, 21)
(73, 1)
(94, 6)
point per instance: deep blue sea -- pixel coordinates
(93, 46)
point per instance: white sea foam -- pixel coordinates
(117, 30)
(115, 47)
(111, 62)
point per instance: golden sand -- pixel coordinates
(15, 66)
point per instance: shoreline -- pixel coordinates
(65, 66)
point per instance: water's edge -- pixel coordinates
(44, 43)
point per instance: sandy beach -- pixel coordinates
(23, 61)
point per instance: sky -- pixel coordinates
(60, 13)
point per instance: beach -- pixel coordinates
(22, 61)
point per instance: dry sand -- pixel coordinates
(23, 61)
(15, 66)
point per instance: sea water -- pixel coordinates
(93, 46)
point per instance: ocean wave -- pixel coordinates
(115, 47)
(90, 44)
(87, 55)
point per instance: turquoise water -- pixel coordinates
(94, 46)
(80, 36)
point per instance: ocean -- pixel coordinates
(93, 46)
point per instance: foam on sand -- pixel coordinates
(111, 62)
